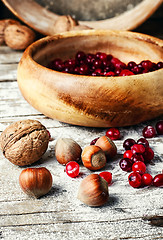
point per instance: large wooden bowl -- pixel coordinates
(88, 100)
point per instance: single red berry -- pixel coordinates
(159, 127)
(137, 148)
(94, 141)
(148, 155)
(158, 180)
(160, 65)
(127, 154)
(72, 169)
(126, 164)
(149, 132)
(137, 157)
(126, 72)
(83, 69)
(147, 179)
(131, 65)
(107, 176)
(143, 141)
(49, 134)
(135, 179)
(103, 56)
(109, 74)
(80, 56)
(139, 167)
(147, 64)
(113, 133)
(128, 143)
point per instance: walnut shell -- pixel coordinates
(3, 24)
(24, 142)
(18, 37)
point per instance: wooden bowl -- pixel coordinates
(88, 100)
(42, 20)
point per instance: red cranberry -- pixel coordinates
(143, 141)
(137, 69)
(103, 56)
(137, 148)
(109, 74)
(126, 72)
(160, 65)
(148, 155)
(57, 64)
(139, 167)
(137, 157)
(149, 132)
(107, 176)
(147, 64)
(159, 127)
(128, 143)
(135, 179)
(158, 180)
(113, 133)
(127, 154)
(147, 179)
(97, 63)
(131, 65)
(109, 57)
(94, 141)
(84, 69)
(117, 71)
(72, 169)
(126, 164)
(80, 56)
(77, 70)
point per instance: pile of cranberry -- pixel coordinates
(102, 64)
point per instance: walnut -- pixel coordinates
(64, 23)
(18, 37)
(24, 142)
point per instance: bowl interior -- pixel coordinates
(126, 46)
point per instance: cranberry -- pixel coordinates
(147, 64)
(131, 65)
(159, 127)
(49, 134)
(149, 132)
(147, 179)
(139, 167)
(158, 180)
(128, 143)
(103, 56)
(107, 176)
(94, 141)
(137, 69)
(143, 141)
(84, 69)
(135, 179)
(117, 71)
(109, 57)
(127, 154)
(148, 155)
(138, 148)
(126, 164)
(160, 65)
(113, 133)
(97, 63)
(109, 74)
(137, 157)
(126, 72)
(72, 169)
(80, 56)
(57, 64)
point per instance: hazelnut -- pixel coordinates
(107, 145)
(93, 157)
(35, 182)
(24, 142)
(67, 150)
(93, 190)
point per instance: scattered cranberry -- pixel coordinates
(137, 157)
(126, 164)
(72, 169)
(147, 179)
(49, 134)
(149, 132)
(135, 179)
(159, 127)
(127, 154)
(94, 141)
(139, 167)
(158, 180)
(107, 176)
(113, 133)
(137, 148)
(128, 143)
(143, 141)
(148, 155)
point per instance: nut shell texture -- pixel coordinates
(24, 142)
(107, 145)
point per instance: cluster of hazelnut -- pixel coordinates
(102, 64)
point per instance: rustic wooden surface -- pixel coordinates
(59, 215)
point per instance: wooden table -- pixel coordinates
(59, 215)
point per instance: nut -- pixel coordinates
(24, 142)
(67, 150)
(18, 37)
(93, 191)
(107, 145)
(93, 157)
(35, 182)
(64, 23)
(3, 24)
